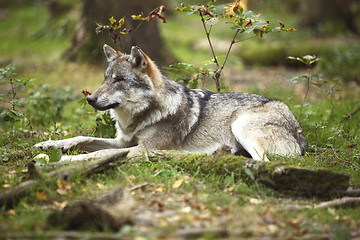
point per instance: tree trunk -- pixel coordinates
(86, 46)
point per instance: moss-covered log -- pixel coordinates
(278, 175)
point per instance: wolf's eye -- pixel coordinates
(117, 78)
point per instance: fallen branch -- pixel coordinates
(11, 197)
(351, 193)
(341, 202)
(349, 115)
(337, 203)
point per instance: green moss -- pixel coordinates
(280, 175)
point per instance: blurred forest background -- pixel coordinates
(54, 41)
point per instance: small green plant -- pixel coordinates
(12, 111)
(189, 74)
(329, 86)
(308, 60)
(241, 22)
(45, 104)
(105, 126)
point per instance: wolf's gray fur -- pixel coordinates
(152, 112)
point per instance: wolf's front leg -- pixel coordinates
(88, 144)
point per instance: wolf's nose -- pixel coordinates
(91, 99)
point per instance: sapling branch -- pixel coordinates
(228, 52)
(208, 38)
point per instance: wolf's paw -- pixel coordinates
(52, 144)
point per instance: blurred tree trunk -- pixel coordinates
(86, 46)
(338, 13)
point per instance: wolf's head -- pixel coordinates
(131, 81)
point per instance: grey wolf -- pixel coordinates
(152, 112)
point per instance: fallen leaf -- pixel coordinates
(158, 189)
(41, 196)
(59, 205)
(294, 223)
(99, 185)
(255, 201)
(6, 185)
(61, 191)
(185, 210)
(11, 212)
(230, 188)
(177, 183)
(11, 173)
(67, 185)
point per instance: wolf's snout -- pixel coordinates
(91, 99)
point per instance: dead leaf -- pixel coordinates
(294, 223)
(67, 185)
(63, 187)
(99, 185)
(177, 183)
(61, 191)
(230, 188)
(237, 6)
(248, 24)
(59, 205)
(64, 133)
(41, 196)
(6, 185)
(281, 25)
(158, 188)
(11, 212)
(11, 173)
(86, 93)
(186, 209)
(255, 201)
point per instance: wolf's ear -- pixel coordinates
(110, 53)
(138, 58)
(142, 61)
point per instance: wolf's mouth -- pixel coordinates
(103, 108)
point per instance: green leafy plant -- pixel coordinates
(189, 74)
(105, 126)
(13, 103)
(330, 86)
(240, 21)
(45, 104)
(308, 60)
